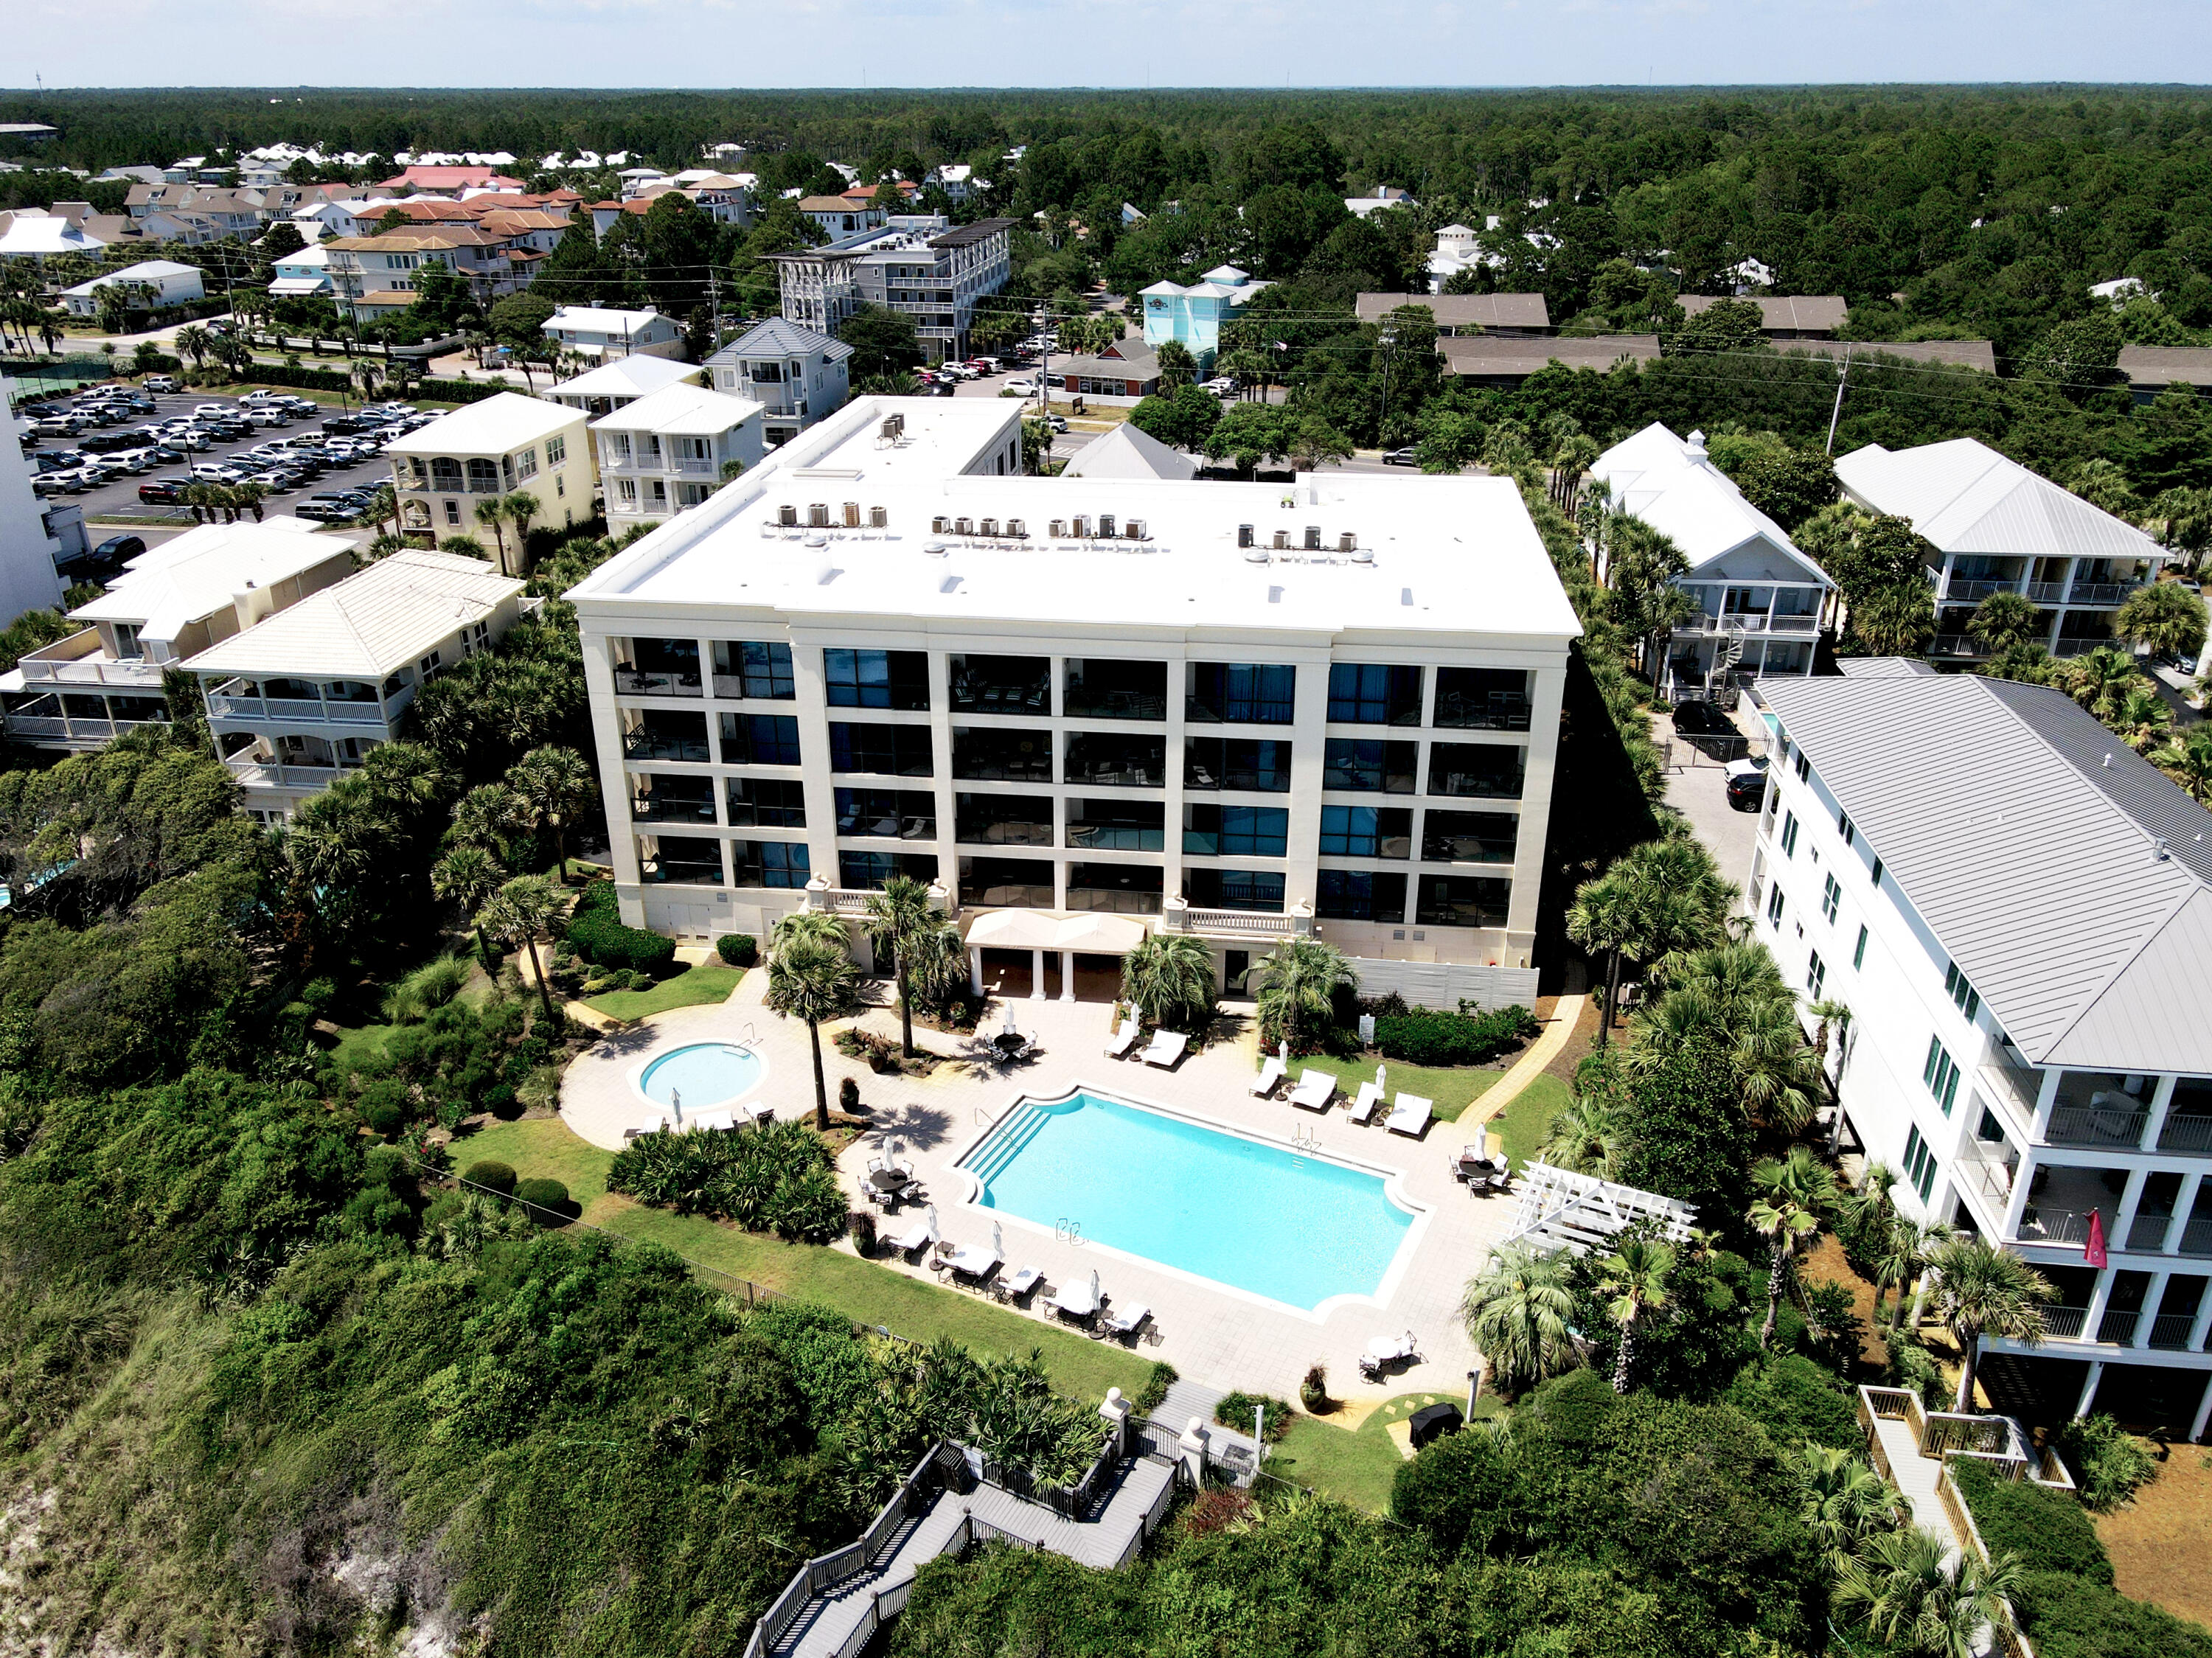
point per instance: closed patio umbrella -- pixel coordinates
(997, 1239)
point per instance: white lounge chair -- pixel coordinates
(1314, 1091)
(920, 1235)
(973, 1261)
(1123, 1039)
(1412, 1115)
(1023, 1280)
(1078, 1300)
(719, 1119)
(1370, 1096)
(1126, 1321)
(1271, 1075)
(1166, 1049)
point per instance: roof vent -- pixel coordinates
(2158, 847)
(934, 548)
(879, 519)
(1255, 555)
(2108, 760)
(1694, 451)
(1362, 554)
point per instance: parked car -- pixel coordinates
(1408, 457)
(162, 383)
(1020, 388)
(163, 492)
(1695, 717)
(1747, 784)
(102, 563)
(1222, 385)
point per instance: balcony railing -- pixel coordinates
(32, 725)
(1961, 588)
(2189, 1135)
(79, 660)
(1958, 645)
(2040, 1223)
(633, 682)
(2064, 1323)
(644, 745)
(2197, 1238)
(2096, 1125)
(1236, 923)
(2100, 593)
(2147, 1235)
(2047, 592)
(2013, 1090)
(287, 774)
(2118, 1326)
(2171, 1331)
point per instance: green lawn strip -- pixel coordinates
(1453, 1090)
(709, 981)
(358, 1043)
(868, 1293)
(1357, 1466)
(1525, 1124)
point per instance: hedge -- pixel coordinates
(546, 1201)
(1422, 1036)
(738, 948)
(596, 932)
(2046, 1531)
(493, 1177)
(2067, 1616)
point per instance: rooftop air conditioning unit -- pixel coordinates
(990, 526)
(1082, 528)
(852, 514)
(1282, 540)
(817, 515)
(1347, 542)
(893, 429)
(1243, 535)
(788, 516)
(1135, 529)
(1016, 528)
(879, 519)
(941, 525)
(1313, 538)
(965, 527)
(1106, 525)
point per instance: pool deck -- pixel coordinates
(1209, 1333)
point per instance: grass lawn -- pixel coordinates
(358, 1043)
(868, 1293)
(1358, 1465)
(709, 981)
(1453, 1090)
(1525, 1124)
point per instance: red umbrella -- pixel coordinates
(2095, 1254)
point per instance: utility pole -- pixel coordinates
(1842, 373)
(715, 301)
(1044, 368)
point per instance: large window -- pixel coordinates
(1127, 889)
(1359, 895)
(1462, 901)
(655, 798)
(1236, 831)
(899, 751)
(771, 863)
(1255, 765)
(658, 667)
(766, 803)
(760, 739)
(681, 859)
(1483, 699)
(990, 755)
(907, 814)
(1964, 996)
(1025, 882)
(1941, 1074)
(1003, 820)
(876, 679)
(867, 871)
(743, 668)
(654, 734)
(1374, 693)
(1366, 832)
(1468, 837)
(1112, 825)
(1367, 765)
(1490, 769)
(1001, 684)
(1919, 1163)
(1234, 889)
(1103, 687)
(1240, 693)
(1110, 757)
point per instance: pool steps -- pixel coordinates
(1004, 1143)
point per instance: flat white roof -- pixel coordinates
(632, 376)
(168, 588)
(499, 423)
(680, 409)
(601, 320)
(369, 624)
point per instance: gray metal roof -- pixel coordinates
(1823, 312)
(1965, 497)
(1464, 310)
(2027, 837)
(1883, 667)
(777, 338)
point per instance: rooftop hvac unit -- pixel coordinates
(788, 516)
(879, 519)
(1059, 528)
(1313, 538)
(1106, 525)
(964, 526)
(1082, 528)
(1135, 529)
(852, 514)
(990, 526)
(894, 428)
(1347, 542)
(1282, 540)
(941, 525)
(1243, 535)
(817, 515)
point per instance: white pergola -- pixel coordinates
(1562, 1210)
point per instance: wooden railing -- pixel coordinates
(825, 1571)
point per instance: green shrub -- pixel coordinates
(596, 932)
(546, 1201)
(738, 948)
(2110, 1464)
(1794, 1399)
(429, 987)
(1424, 1036)
(1154, 1393)
(776, 1178)
(500, 1100)
(1458, 1490)
(499, 1177)
(2068, 1616)
(2047, 1530)
(384, 1117)
(1236, 1409)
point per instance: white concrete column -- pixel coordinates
(975, 968)
(2184, 1204)
(1067, 976)
(2100, 1298)
(2203, 1410)
(2151, 1297)
(1036, 976)
(2161, 1099)
(2124, 1220)
(2089, 1389)
(2023, 1178)
(2046, 1100)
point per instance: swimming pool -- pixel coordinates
(701, 1074)
(1252, 1214)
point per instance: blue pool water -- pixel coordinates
(702, 1074)
(1257, 1216)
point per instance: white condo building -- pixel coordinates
(665, 453)
(1086, 708)
(2018, 912)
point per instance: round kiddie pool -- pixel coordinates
(701, 1074)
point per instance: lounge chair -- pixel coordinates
(1024, 1279)
(1314, 1091)
(1123, 1039)
(1125, 1320)
(1271, 1076)
(1412, 1115)
(919, 1236)
(719, 1118)
(1166, 1049)
(1078, 1300)
(973, 1261)
(1363, 1108)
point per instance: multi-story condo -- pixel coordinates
(2017, 911)
(1239, 711)
(1193, 316)
(1759, 598)
(374, 276)
(619, 384)
(914, 264)
(36, 534)
(505, 444)
(169, 604)
(796, 375)
(667, 451)
(604, 333)
(301, 696)
(2000, 528)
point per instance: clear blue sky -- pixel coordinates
(1265, 43)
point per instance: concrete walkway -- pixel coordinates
(1532, 1064)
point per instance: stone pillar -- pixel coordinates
(1036, 976)
(1115, 1411)
(1067, 976)
(1191, 1447)
(975, 968)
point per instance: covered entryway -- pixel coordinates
(1073, 958)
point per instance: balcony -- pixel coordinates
(2100, 593)
(236, 699)
(1968, 589)
(2064, 1323)
(2171, 1331)
(2047, 592)
(2147, 1235)
(1958, 645)
(1182, 917)
(633, 682)
(2110, 1126)
(2197, 1238)
(2118, 1326)
(287, 774)
(2189, 1135)
(81, 660)
(2013, 1088)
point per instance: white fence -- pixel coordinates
(1445, 984)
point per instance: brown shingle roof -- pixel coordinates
(1818, 313)
(2154, 367)
(1492, 357)
(1465, 310)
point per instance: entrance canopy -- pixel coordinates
(1098, 933)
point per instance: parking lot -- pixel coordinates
(117, 500)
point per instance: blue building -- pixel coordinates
(1193, 316)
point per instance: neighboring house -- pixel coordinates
(798, 376)
(2151, 369)
(374, 276)
(1385, 195)
(1089, 708)
(34, 534)
(618, 383)
(154, 284)
(1124, 368)
(1802, 317)
(169, 604)
(1998, 527)
(955, 179)
(1193, 316)
(345, 218)
(506, 443)
(1503, 363)
(303, 274)
(230, 212)
(841, 218)
(449, 180)
(605, 333)
(40, 236)
(298, 700)
(2015, 908)
(666, 452)
(1506, 316)
(1126, 452)
(1759, 598)
(915, 264)
(1950, 354)
(1456, 250)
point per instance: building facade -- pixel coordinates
(2012, 905)
(915, 264)
(667, 451)
(1193, 316)
(604, 333)
(504, 444)
(1238, 711)
(35, 534)
(798, 376)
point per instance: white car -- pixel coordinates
(1222, 387)
(213, 409)
(160, 383)
(1020, 388)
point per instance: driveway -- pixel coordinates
(1696, 786)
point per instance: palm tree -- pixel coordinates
(2188, 763)
(483, 816)
(1635, 1277)
(1793, 1191)
(383, 507)
(1778, 1075)
(519, 507)
(1917, 1595)
(1300, 992)
(1609, 918)
(1168, 978)
(1586, 1137)
(520, 910)
(1980, 1289)
(1841, 1499)
(2163, 617)
(1899, 1256)
(468, 876)
(491, 514)
(1520, 1312)
(899, 915)
(811, 979)
(551, 785)
(2098, 679)
(2004, 620)
(247, 497)
(819, 926)
(1177, 366)
(1575, 453)
(1829, 1015)
(2142, 720)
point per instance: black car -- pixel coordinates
(1697, 717)
(341, 425)
(1402, 458)
(104, 562)
(1747, 784)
